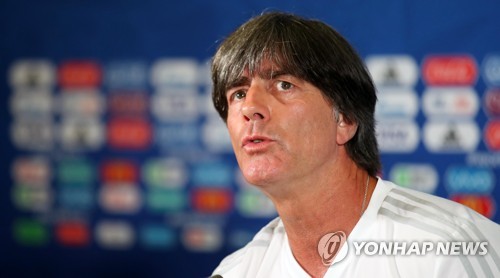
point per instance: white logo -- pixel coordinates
(421, 177)
(396, 102)
(175, 106)
(175, 73)
(451, 102)
(397, 136)
(393, 70)
(451, 136)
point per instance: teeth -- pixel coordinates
(257, 141)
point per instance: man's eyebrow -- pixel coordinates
(240, 81)
(271, 74)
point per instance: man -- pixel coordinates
(299, 106)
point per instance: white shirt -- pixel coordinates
(396, 215)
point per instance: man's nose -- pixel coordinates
(256, 105)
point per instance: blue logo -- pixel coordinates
(464, 179)
(491, 69)
(125, 74)
(212, 174)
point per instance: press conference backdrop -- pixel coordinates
(115, 164)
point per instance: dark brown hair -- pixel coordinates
(310, 50)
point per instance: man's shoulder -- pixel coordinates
(423, 212)
(267, 240)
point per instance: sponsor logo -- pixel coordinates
(32, 73)
(396, 102)
(253, 203)
(177, 136)
(212, 200)
(81, 103)
(72, 234)
(30, 232)
(161, 200)
(393, 70)
(117, 235)
(120, 198)
(330, 245)
(450, 101)
(397, 136)
(483, 204)
(212, 173)
(33, 134)
(76, 198)
(174, 73)
(491, 69)
(451, 136)
(492, 135)
(165, 173)
(31, 103)
(32, 171)
(125, 74)
(79, 74)
(202, 237)
(34, 199)
(466, 179)
(129, 133)
(492, 102)
(175, 106)
(119, 171)
(156, 236)
(128, 103)
(421, 177)
(450, 70)
(80, 134)
(75, 171)
(215, 136)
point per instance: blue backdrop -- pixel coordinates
(115, 164)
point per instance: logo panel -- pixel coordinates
(450, 70)
(466, 179)
(492, 135)
(451, 136)
(212, 200)
(397, 136)
(450, 102)
(421, 177)
(32, 73)
(491, 69)
(492, 102)
(165, 173)
(399, 70)
(129, 133)
(483, 204)
(79, 74)
(396, 102)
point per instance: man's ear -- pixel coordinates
(345, 130)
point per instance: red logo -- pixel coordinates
(79, 74)
(72, 234)
(212, 200)
(128, 103)
(329, 246)
(129, 133)
(492, 102)
(483, 204)
(492, 135)
(119, 171)
(450, 70)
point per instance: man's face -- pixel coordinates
(281, 127)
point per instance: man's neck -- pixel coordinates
(322, 205)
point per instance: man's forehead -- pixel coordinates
(265, 70)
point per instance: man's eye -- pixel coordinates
(239, 95)
(283, 85)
